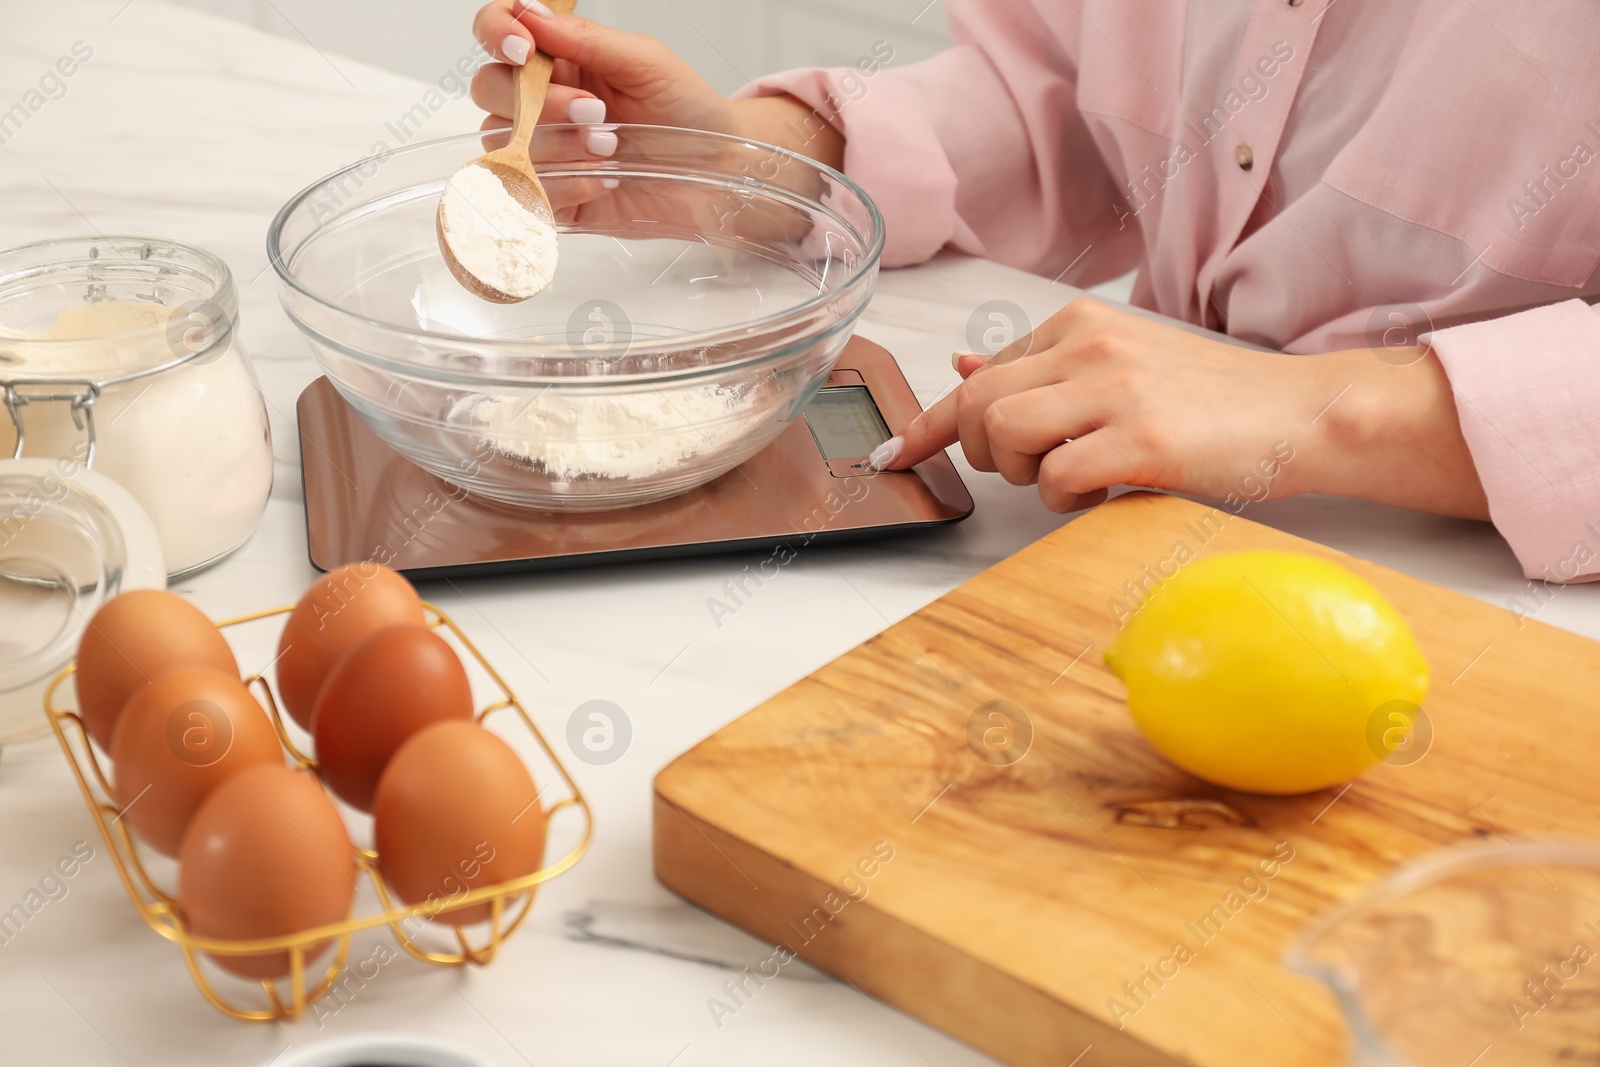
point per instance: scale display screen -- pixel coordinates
(845, 421)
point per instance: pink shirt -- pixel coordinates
(1311, 176)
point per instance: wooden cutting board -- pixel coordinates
(849, 820)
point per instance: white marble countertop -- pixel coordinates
(189, 127)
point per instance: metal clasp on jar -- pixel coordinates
(80, 395)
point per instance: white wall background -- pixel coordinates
(728, 41)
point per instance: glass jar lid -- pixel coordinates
(70, 540)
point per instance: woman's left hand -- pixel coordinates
(1098, 397)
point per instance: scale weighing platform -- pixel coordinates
(364, 501)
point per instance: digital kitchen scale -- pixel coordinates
(364, 501)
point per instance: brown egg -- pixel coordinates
(395, 682)
(178, 739)
(456, 810)
(130, 640)
(266, 856)
(344, 606)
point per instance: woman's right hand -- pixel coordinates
(600, 74)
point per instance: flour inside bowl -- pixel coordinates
(628, 435)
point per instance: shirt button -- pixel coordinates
(1246, 158)
(1295, 3)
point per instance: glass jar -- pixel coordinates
(121, 353)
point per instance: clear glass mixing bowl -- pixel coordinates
(1481, 954)
(705, 287)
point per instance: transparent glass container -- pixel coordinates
(120, 353)
(705, 287)
(70, 540)
(1482, 954)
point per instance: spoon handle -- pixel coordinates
(533, 83)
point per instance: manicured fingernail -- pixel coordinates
(515, 49)
(609, 183)
(601, 143)
(586, 109)
(534, 7)
(886, 453)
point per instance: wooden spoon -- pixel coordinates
(511, 164)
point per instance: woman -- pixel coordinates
(1403, 193)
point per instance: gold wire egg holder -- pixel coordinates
(509, 902)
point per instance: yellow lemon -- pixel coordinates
(1270, 672)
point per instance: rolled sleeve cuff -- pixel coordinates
(891, 148)
(1527, 390)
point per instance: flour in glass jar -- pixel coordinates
(190, 443)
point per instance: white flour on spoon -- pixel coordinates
(491, 234)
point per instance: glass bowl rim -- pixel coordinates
(875, 240)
